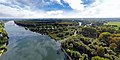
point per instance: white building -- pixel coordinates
(80, 23)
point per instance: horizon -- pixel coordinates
(69, 18)
(64, 19)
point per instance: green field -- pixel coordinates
(114, 23)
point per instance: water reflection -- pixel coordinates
(27, 45)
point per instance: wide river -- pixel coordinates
(28, 45)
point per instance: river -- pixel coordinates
(28, 45)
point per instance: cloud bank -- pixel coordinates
(59, 8)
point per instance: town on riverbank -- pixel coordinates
(81, 39)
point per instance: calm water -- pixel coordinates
(27, 45)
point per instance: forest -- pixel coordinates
(3, 39)
(90, 40)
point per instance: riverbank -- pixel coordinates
(3, 39)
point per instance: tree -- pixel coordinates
(89, 32)
(100, 51)
(106, 29)
(119, 28)
(104, 37)
(113, 46)
(98, 58)
(70, 45)
(85, 56)
(60, 35)
(118, 46)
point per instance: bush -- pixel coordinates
(104, 37)
(66, 33)
(113, 46)
(60, 35)
(100, 51)
(99, 58)
(89, 32)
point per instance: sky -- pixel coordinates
(59, 8)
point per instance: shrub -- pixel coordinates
(60, 35)
(89, 32)
(98, 58)
(100, 51)
(113, 46)
(104, 37)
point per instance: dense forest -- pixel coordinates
(87, 40)
(3, 39)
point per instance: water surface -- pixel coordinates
(27, 45)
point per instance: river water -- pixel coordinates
(28, 45)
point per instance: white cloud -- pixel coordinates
(56, 12)
(106, 8)
(26, 13)
(100, 8)
(76, 5)
(18, 13)
(3, 1)
(58, 1)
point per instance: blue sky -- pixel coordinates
(59, 8)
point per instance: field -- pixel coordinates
(114, 23)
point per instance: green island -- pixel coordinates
(3, 39)
(80, 40)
